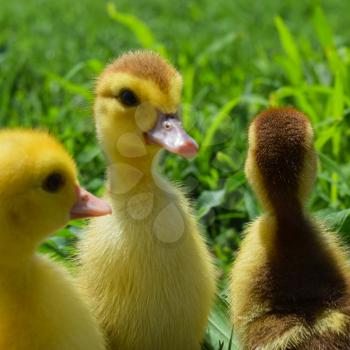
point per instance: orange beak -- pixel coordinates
(87, 205)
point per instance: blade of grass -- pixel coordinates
(217, 120)
(141, 31)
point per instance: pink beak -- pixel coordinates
(87, 205)
(169, 133)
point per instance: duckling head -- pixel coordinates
(39, 191)
(137, 109)
(281, 163)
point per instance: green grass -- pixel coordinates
(236, 58)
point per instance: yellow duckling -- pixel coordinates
(145, 269)
(290, 281)
(39, 307)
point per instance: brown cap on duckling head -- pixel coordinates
(281, 163)
(147, 65)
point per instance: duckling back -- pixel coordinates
(289, 285)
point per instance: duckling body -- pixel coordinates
(40, 308)
(151, 286)
(145, 270)
(290, 281)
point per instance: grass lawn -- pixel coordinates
(237, 57)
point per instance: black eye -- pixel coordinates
(53, 182)
(128, 98)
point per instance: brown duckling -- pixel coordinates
(290, 281)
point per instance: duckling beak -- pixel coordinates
(169, 133)
(87, 205)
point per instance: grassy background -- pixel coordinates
(236, 57)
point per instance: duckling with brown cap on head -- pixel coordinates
(290, 281)
(146, 270)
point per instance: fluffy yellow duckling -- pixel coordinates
(290, 282)
(39, 307)
(145, 269)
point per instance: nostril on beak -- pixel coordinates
(167, 125)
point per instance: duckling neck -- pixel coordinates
(16, 278)
(292, 224)
(287, 209)
(16, 248)
(127, 175)
(14, 262)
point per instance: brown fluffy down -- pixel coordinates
(290, 281)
